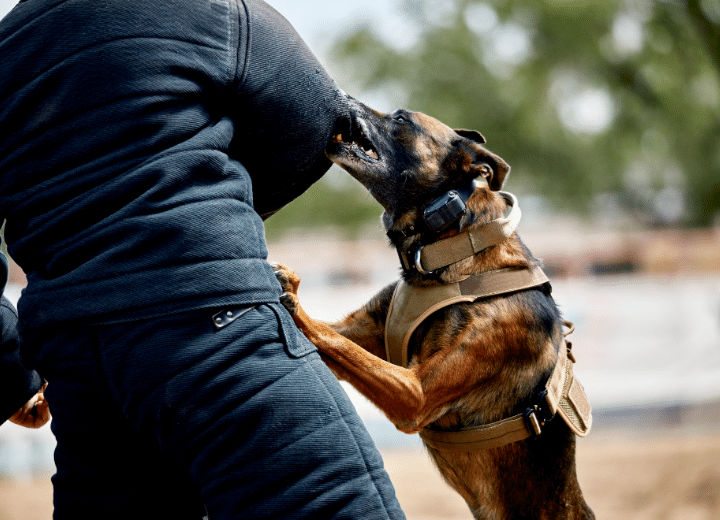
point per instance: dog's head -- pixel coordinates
(407, 159)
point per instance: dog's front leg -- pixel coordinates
(410, 397)
(395, 390)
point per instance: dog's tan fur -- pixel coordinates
(471, 363)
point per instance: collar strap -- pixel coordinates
(428, 258)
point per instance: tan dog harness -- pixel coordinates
(411, 305)
(563, 393)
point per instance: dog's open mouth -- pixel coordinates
(358, 144)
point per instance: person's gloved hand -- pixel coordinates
(35, 413)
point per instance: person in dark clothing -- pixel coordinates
(143, 143)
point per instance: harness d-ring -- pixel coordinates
(418, 262)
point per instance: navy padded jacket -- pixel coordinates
(141, 143)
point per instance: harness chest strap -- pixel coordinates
(565, 396)
(499, 433)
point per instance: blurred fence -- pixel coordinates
(647, 341)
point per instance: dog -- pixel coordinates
(474, 365)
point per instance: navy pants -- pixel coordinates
(166, 417)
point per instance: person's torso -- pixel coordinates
(119, 177)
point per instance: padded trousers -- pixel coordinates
(171, 418)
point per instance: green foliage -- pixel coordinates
(587, 100)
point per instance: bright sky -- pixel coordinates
(588, 110)
(319, 20)
(5, 6)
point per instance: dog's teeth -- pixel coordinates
(367, 151)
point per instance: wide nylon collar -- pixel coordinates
(447, 251)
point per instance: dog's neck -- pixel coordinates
(483, 207)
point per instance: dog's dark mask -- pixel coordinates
(406, 160)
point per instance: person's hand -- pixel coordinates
(35, 413)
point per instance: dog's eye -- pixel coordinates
(400, 119)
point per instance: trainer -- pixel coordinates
(142, 143)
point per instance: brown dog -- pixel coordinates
(480, 359)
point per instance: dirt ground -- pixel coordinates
(623, 476)
(662, 478)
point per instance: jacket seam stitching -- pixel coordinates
(241, 75)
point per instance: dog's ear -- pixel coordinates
(473, 135)
(471, 159)
(496, 173)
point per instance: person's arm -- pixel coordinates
(286, 108)
(20, 388)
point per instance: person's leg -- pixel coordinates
(263, 426)
(105, 467)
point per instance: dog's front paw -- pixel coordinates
(289, 281)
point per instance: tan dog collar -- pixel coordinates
(447, 251)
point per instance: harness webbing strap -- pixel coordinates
(502, 281)
(498, 434)
(466, 244)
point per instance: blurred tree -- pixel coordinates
(593, 103)
(336, 201)
(597, 105)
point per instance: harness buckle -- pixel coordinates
(530, 416)
(545, 407)
(539, 414)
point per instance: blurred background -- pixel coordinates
(608, 112)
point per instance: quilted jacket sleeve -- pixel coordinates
(286, 108)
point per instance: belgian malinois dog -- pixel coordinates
(468, 364)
